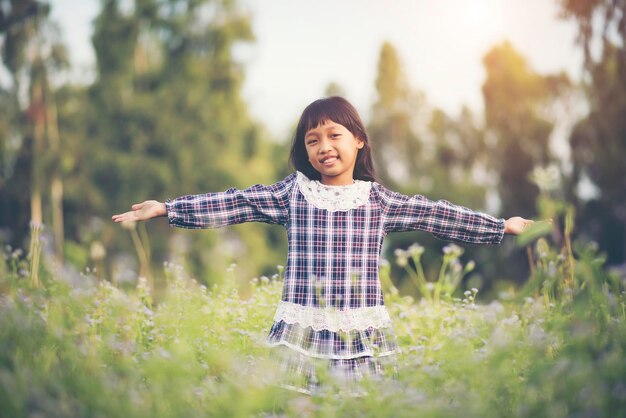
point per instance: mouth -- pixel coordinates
(330, 160)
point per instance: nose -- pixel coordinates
(324, 145)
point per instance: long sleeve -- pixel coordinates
(441, 218)
(259, 203)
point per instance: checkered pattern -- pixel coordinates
(334, 345)
(441, 218)
(333, 256)
(346, 376)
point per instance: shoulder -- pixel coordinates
(289, 180)
(284, 184)
(279, 190)
(385, 195)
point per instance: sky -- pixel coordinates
(301, 46)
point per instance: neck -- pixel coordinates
(336, 181)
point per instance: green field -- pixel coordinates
(555, 348)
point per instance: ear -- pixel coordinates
(360, 143)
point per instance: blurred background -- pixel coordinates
(512, 108)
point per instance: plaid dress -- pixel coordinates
(331, 320)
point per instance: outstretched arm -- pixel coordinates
(445, 220)
(142, 212)
(516, 225)
(258, 203)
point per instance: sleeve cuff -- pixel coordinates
(171, 214)
(500, 233)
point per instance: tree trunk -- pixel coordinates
(38, 119)
(56, 187)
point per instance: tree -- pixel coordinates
(32, 53)
(396, 113)
(167, 119)
(518, 126)
(598, 142)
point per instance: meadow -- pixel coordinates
(88, 348)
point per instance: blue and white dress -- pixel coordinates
(332, 310)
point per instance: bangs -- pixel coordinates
(333, 109)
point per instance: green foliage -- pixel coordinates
(515, 99)
(93, 349)
(165, 118)
(598, 141)
(448, 280)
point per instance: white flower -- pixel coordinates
(401, 257)
(453, 250)
(415, 250)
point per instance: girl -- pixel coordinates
(336, 216)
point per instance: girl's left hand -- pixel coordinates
(516, 225)
(142, 212)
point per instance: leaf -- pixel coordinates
(536, 230)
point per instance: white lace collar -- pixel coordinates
(334, 198)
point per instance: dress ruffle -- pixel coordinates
(318, 347)
(349, 377)
(333, 319)
(326, 344)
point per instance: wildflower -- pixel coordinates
(401, 257)
(546, 178)
(36, 226)
(470, 266)
(453, 250)
(415, 250)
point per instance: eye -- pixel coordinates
(311, 141)
(335, 135)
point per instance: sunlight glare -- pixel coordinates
(476, 12)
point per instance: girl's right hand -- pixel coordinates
(142, 212)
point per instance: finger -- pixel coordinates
(127, 216)
(138, 206)
(119, 218)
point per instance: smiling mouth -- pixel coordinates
(329, 160)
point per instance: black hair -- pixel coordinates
(338, 110)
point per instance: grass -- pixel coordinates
(555, 349)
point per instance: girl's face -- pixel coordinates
(332, 151)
